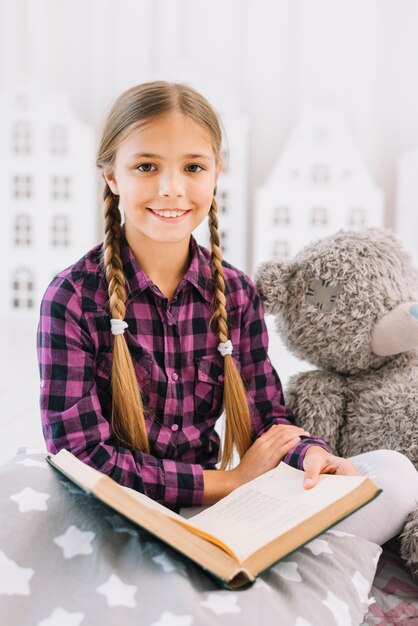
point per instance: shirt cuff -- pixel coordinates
(183, 483)
(296, 455)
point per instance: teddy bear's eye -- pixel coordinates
(321, 294)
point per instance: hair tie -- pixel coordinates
(225, 348)
(118, 326)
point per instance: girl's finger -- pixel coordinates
(278, 431)
(347, 469)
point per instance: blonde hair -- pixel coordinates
(134, 107)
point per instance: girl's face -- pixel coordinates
(165, 174)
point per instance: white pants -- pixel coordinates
(384, 517)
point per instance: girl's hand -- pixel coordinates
(318, 461)
(266, 452)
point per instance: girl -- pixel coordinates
(178, 331)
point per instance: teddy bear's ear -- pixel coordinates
(271, 279)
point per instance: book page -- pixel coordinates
(265, 508)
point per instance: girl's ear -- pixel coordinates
(109, 177)
(272, 279)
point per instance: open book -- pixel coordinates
(242, 534)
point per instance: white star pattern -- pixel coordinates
(167, 563)
(319, 546)
(116, 522)
(222, 602)
(33, 463)
(61, 617)
(75, 541)
(361, 586)
(169, 619)
(289, 571)
(339, 609)
(261, 584)
(14, 580)
(117, 593)
(30, 500)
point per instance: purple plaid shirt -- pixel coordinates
(178, 368)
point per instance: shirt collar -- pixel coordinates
(198, 273)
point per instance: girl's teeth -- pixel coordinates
(168, 213)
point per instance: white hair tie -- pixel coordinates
(118, 326)
(225, 348)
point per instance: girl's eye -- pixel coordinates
(195, 165)
(146, 167)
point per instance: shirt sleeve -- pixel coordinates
(264, 389)
(72, 416)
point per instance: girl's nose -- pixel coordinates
(171, 184)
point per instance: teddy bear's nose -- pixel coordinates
(397, 331)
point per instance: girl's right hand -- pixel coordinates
(266, 452)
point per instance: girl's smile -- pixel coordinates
(164, 173)
(169, 215)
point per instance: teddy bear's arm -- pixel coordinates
(317, 401)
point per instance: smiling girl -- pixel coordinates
(147, 338)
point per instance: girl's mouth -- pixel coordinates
(169, 216)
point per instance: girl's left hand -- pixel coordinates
(318, 461)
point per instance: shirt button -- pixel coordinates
(221, 378)
(175, 376)
(174, 427)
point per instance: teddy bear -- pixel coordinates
(348, 304)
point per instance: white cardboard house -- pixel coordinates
(232, 192)
(407, 201)
(49, 197)
(318, 185)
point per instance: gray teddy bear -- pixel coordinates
(348, 304)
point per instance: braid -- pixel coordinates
(128, 420)
(112, 260)
(238, 419)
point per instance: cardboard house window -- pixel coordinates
(58, 139)
(281, 216)
(281, 249)
(23, 230)
(320, 173)
(223, 204)
(319, 216)
(22, 186)
(225, 160)
(23, 289)
(357, 217)
(61, 188)
(21, 101)
(60, 231)
(223, 240)
(21, 138)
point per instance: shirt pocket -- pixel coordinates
(209, 386)
(142, 367)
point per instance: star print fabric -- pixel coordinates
(79, 563)
(178, 368)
